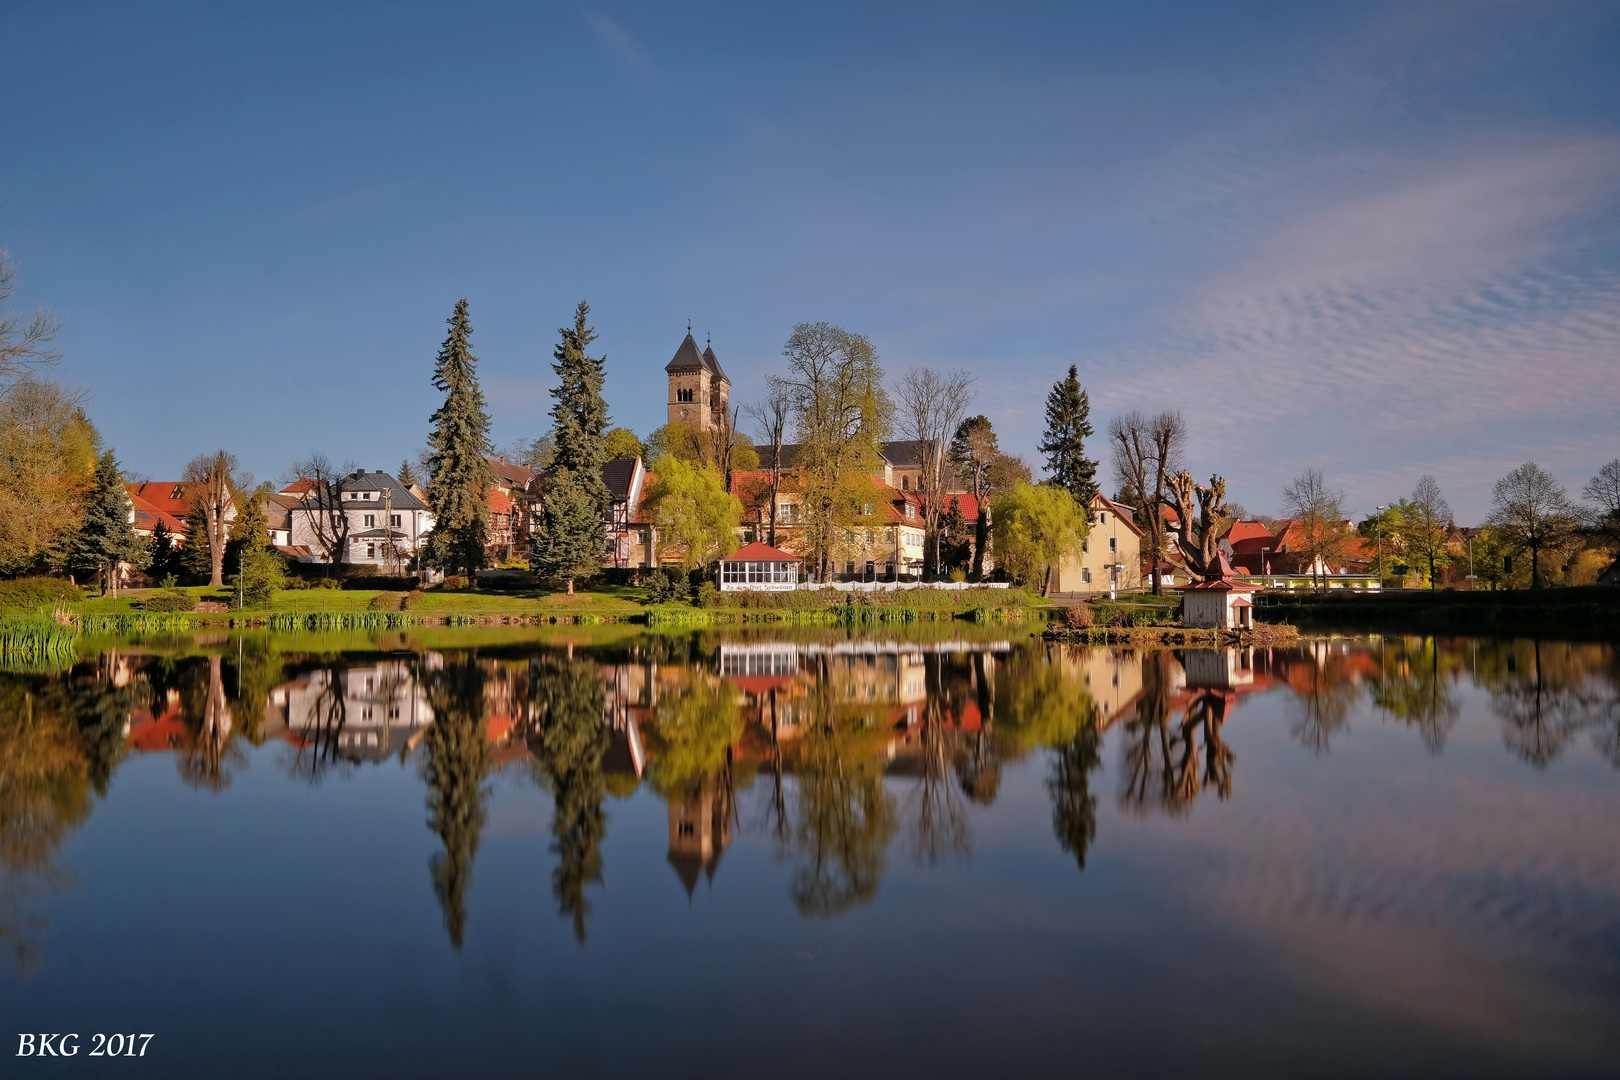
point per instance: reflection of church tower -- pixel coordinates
(698, 390)
(699, 832)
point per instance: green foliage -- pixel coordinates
(676, 440)
(460, 478)
(579, 414)
(692, 507)
(162, 556)
(569, 540)
(106, 536)
(621, 442)
(567, 743)
(707, 595)
(195, 558)
(1074, 807)
(169, 599)
(406, 475)
(386, 601)
(263, 575)
(1068, 426)
(34, 593)
(695, 728)
(250, 530)
(1036, 527)
(35, 638)
(666, 586)
(458, 761)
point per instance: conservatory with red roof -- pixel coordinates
(759, 566)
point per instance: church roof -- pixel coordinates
(687, 357)
(712, 364)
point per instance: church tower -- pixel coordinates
(699, 392)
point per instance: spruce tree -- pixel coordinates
(195, 558)
(107, 537)
(570, 539)
(250, 529)
(459, 476)
(1068, 426)
(407, 475)
(163, 558)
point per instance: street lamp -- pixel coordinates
(1378, 527)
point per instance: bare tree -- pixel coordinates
(771, 415)
(724, 442)
(212, 481)
(973, 451)
(1602, 495)
(1533, 511)
(1318, 512)
(322, 504)
(24, 344)
(1427, 522)
(930, 406)
(1146, 452)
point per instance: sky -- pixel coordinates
(1378, 239)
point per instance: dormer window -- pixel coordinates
(905, 483)
(866, 510)
(911, 511)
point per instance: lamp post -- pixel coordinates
(1378, 527)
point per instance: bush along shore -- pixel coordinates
(829, 607)
(1155, 622)
(1589, 610)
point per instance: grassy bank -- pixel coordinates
(1592, 610)
(827, 607)
(359, 606)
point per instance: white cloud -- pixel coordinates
(620, 41)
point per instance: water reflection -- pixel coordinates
(839, 751)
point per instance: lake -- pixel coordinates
(944, 849)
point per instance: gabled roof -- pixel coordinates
(167, 496)
(790, 453)
(687, 357)
(511, 473)
(1220, 577)
(757, 552)
(618, 475)
(1100, 501)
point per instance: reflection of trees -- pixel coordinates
(208, 759)
(567, 741)
(1546, 694)
(1041, 699)
(457, 763)
(1324, 689)
(843, 816)
(940, 824)
(1413, 686)
(1168, 763)
(321, 729)
(1074, 807)
(257, 670)
(695, 728)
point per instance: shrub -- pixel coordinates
(378, 581)
(667, 586)
(413, 599)
(170, 599)
(331, 583)
(386, 601)
(38, 592)
(359, 570)
(454, 582)
(708, 595)
(959, 575)
(1117, 618)
(1078, 617)
(296, 583)
(262, 577)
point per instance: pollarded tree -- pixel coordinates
(1147, 454)
(1068, 426)
(772, 414)
(107, 537)
(459, 476)
(1533, 512)
(1426, 525)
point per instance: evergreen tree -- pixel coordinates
(250, 530)
(1068, 426)
(163, 558)
(460, 479)
(407, 475)
(570, 539)
(569, 742)
(107, 537)
(195, 558)
(457, 764)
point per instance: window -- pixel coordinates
(1113, 545)
(371, 521)
(911, 511)
(371, 551)
(366, 496)
(685, 395)
(1102, 518)
(394, 521)
(866, 509)
(1085, 546)
(869, 538)
(1085, 575)
(849, 567)
(905, 483)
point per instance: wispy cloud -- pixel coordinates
(620, 41)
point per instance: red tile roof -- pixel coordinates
(757, 552)
(166, 496)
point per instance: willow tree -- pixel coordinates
(842, 416)
(690, 506)
(1037, 526)
(459, 477)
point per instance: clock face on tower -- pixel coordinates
(683, 414)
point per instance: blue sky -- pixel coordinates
(1380, 239)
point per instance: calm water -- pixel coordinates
(814, 854)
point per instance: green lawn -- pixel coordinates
(600, 599)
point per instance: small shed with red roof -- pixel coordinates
(759, 566)
(1220, 600)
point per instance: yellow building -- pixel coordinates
(1110, 558)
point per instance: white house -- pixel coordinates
(377, 519)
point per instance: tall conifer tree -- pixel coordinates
(459, 475)
(107, 537)
(571, 539)
(1068, 426)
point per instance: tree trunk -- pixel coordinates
(981, 534)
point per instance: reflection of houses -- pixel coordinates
(359, 713)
